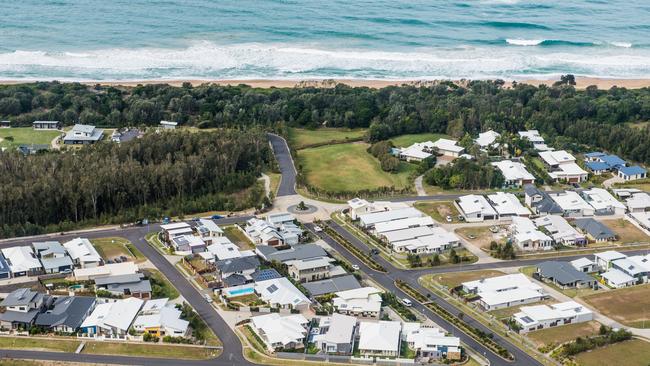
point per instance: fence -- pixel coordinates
(344, 359)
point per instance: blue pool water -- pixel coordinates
(240, 291)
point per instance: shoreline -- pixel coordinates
(581, 82)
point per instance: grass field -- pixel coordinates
(110, 248)
(408, 140)
(454, 279)
(275, 181)
(162, 287)
(238, 238)
(629, 306)
(439, 210)
(25, 135)
(348, 167)
(301, 137)
(626, 231)
(150, 350)
(634, 352)
(565, 333)
(39, 343)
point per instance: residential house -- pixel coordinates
(430, 342)
(22, 261)
(597, 167)
(448, 147)
(641, 219)
(279, 219)
(536, 139)
(475, 208)
(360, 302)
(632, 173)
(369, 220)
(5, 124)
(504, 291)
(380, 339)
(244, 266)
(638, 202)
(618, 279)
(604, 259)
(507, 205)
(22, 306)
(53, 256)
(160, 318)
(564, 275)
(421, 240)
(537, 317)
(30, 149)
(562, 166)
(306, 270)
(261, 232)
(332, 285)
(168, 125)
(83, 134)
(281, 332)
(46, 125)
(595, 230)
(358, 206)
(83, 253)
(560, 230)
(5, 271)
(572, 204)
(416, 152)
(540, 202)
(175, 229)
(208, 230)
(637, 267)
(515, 173)
(125, 285)
(487, 139)
(111, 269)
(279, 292)
(296, 252)
(524, 234)
(112, 319)
(188, 244)
(603, 202)
(584, 265)
(408, 223)
(335, 334)
(626, 192)
(66, 314)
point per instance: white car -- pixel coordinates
(208, 298)
(317, 229)
(449, 219)
(407, 302)
(355, 267)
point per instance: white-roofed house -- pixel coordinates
(618, 279)
(637, 266)
(83, 253)
(603, 202)
(534, 137)
(111, 269)
(358, 206)
(422, 240)
(561, 231)
(448, 147)
(531, 318)
(416, 152)
(161, 318)
(281, 332)
(380, 339)
(638, 202)
(525, 235)
(507, 205)
(112, 319)
(487, 139)
(168, 125)
(371, 219)
(604, 259)
(175, 229)
(476, 208)
(505, 291)
(584, 265)
(641, 219)
(310, 269)
(83, 134)
(279, 292)
(562, 166)
(22, 261)
(515, 173)
(431, 342)
(335, 334)
(188, 244)
(361, 302)
(572, 204)
(209, 230)
(411, 222)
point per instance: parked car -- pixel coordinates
(448, 218)
(355, 267)
(317, 229)
(166, 220)
(216, 217)
(374, 251)
(407, 302)
(208, 298)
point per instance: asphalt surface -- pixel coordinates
(285, 162)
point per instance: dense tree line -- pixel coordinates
(160, 174)
(591, 116)
(382, 150)
(465, 174)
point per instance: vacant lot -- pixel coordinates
(481, 236)
(630, 306)
(439, 210)
(150, 350)
(629, 353)
(160, 285)
(114, 247)
(39, 344)
(408, 140)
(25, 135)
(348, 167)
(454, 279)
(626, 231)
(238, 238)
(301, 137)
(564, 333)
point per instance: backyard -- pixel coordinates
(565, 333)
(439, 210)
(302, 137)
(634, 352)
(349, 167)
(115, 247)
(626, 231)
(25, 135)
(630, 306)
(238, 238)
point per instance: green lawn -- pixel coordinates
(302, 137)
(634, 352)
(453, 279)
(39, 343)
(348, 167)
(110, 248)
(161, 287)
(25, 135)
(150, 350)
(238, 238)
(408, 140)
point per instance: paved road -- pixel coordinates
(285, 162)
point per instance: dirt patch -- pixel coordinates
(481, 236)
(628, 306)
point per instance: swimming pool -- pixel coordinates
(240, 291)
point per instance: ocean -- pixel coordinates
(312, 39)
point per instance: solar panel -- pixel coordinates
(271, 289)
(527, 319)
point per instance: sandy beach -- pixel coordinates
(581, 82)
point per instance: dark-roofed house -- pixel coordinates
(5, 272)
(265, 274)
(66, 313)
(242, 266)
(29, 149)
(53, 257)
(597, 167)
(595, 230)
(134, 285)
(332, 285)
(564, 275)
(297, 252)
(540, 202)
(21, 308)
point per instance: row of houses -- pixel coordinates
(341, 334)
(90, 316)
(543, 232)
(497, 206)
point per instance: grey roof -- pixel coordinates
(68, 310)
(594, 228)
(331, 285)
(4, 266)
(547, 205)
(83, 128)
(96, 133)
(139, 286)
(298, 252)
(58, 262)
(234, 280)
(22, 296)
(531, 190)
(48, 247)
(563, 272)
(237, 264)
(119, 279)
(19, 316)
(46, 122)
(265, 274)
